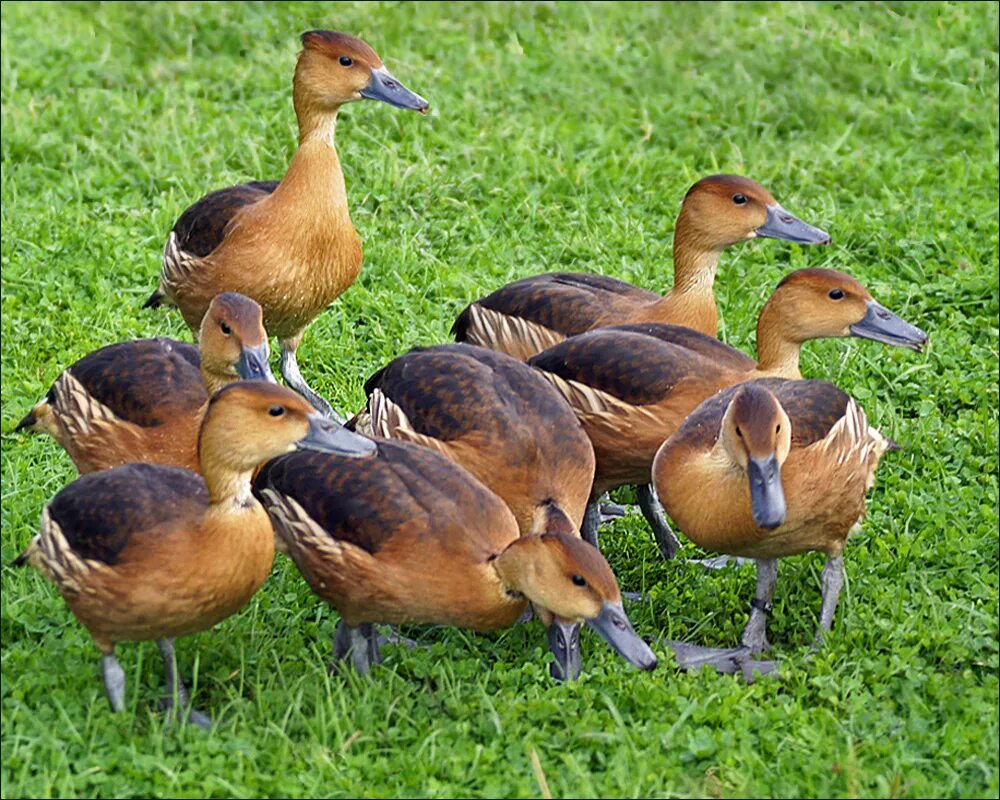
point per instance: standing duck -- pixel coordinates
(633, 385)
(290, 245)
(146, 551)
(499, 419)
(144, 400)
(527, 316)
(412, 537)
(769, 469)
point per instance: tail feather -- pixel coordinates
(21, 560)
(27, 422)
(154, 300)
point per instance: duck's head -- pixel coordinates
(721, 210)
(233, 341)
(335, 68)
(818, 303)
(757, 436)
(251, 421)
(570, 583)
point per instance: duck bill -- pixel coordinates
(253, 364)
(385, 87)
(782, 225)
(327, 436)
(880, 324)
(767, 498)
(564, 642)
(616, 630)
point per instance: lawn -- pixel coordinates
(562, 136)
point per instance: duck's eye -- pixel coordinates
(276, 411)
(836, 294)
(579, 580)
(226, 329)
(739, 432)
(739, 199)
(777, 428)
(346, 61)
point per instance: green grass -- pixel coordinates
(561, 137)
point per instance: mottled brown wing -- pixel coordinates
(450, 391)
(146, 381)
(202, 226)
(566, 302)
(633, 367)
(717, 352)
(102, 513)
(368, 501)
(813, 408)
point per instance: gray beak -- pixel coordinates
(782, 225)
(564, 642)
(617, 631)
(386, 88)
(882, 325)
(767, 498)
(327, 436)
(253, 364)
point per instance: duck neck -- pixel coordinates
(227, 480)
(515, 563)
(691, 301)
(549, 517)
(215, 380)
(777, 350)
(314, 181)
(694, 271)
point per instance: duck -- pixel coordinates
(411, 537)
(633, 385)
(530, 315)
(498, 418)
(144, 400)
(289, 244)
(769, 469)
(152, 552)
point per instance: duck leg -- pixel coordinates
(177, 700)
(591, 521)
(359, 645)
(833, 582)
(649, 503)
(290, 372)
(755, 632)
(114, 681)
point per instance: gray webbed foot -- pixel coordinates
(727, 660)
(721, 562)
